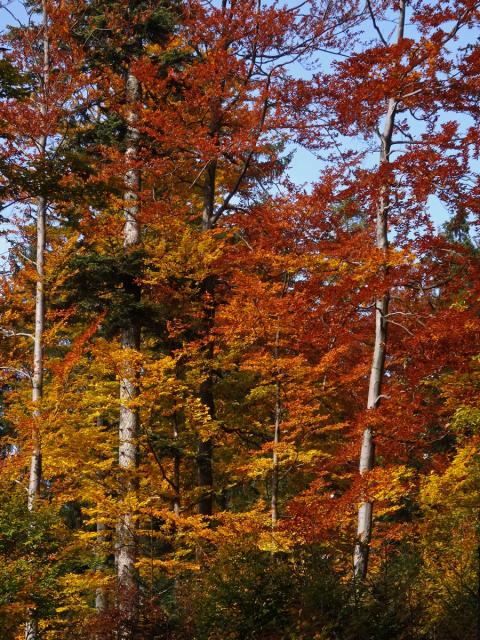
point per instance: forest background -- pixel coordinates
(239, 320)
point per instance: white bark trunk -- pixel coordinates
(129, 422)
(31, 629)
(35, 476)
(37, 379)
(367, 454)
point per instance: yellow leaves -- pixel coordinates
(459, 305)
(174, 43)
(456, 488)
(197, 416)
(162, 390)
(76, 585)
(387, 486)
(466, 419)
(449, 532)
(258, 468)
(289, 457)
(167, 566)
(376, 261)
(276, 541)
(312, 455)
(261, 393)
(192, 255)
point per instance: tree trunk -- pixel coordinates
(126, 552)
(367, 454)
(37, 378)
(100, 595)
(35, 477)
(275, 465)
(276, 430)
(176, 469)
(205, 447)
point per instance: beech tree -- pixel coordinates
(400, 75)
(35, 117)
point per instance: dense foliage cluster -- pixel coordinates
(233, 406)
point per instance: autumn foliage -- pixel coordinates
(237, 403)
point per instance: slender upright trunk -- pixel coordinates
(100, 595)
(35, 477)
(176, 469)
(276, 436)
(37, 378)
(205, 447)
(367, 454)
(277, 421)
(275, 461)
(129, 423)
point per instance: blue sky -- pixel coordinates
(306, 167)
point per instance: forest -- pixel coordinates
(239, 320)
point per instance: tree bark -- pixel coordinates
(176, 469)
(37, 378)
(275, 461)
(126, 551)
(35, 476)
(367, 453)
(276, 431)
(100, 595)
(205, 447)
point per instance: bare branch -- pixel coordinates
(8, 333)
(375, 25)
(20, 372)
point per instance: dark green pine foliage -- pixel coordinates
(110, 281)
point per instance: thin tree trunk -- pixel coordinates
(126, 552)
(100, 595)
(277, 423)
(176, 469)
(275, 461)
(276, 434)
(205, 447)
(37, 378)
(367, 454)
(35, 477)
